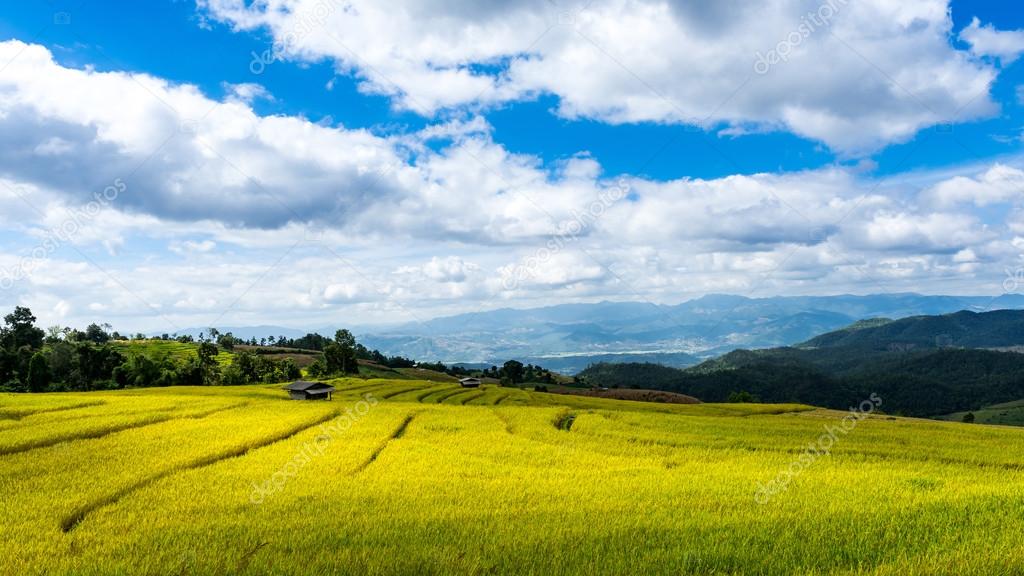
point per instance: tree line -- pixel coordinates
(68, 359)
(63, 359)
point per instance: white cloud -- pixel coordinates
(1000, 183)
(172, 146)
(1007, 45)
(192, 246)
(927, 233)
(347, 224)
(451, 269)
(870, 73)
(248, 92)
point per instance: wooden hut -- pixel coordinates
(301, 390)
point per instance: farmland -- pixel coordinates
(169, 348)
(417, 477)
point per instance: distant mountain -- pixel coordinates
(920, 366)
(677, 335)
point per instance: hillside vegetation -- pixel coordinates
(921, 366)
(421, 477)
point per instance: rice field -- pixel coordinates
(424, 477)
(169, 348)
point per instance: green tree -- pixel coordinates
(290, 370)
(38, 373)
(227, 341)
(969, 418)
(54, 334)
(207, 363)
(318, 368)
(20, 329)
(742, 397)
(513, 371)
(96, 334)
(340, 355)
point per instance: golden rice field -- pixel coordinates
(419, 477)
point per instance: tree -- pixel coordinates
(969, 418)
(21, 330)
(96, 334)
(340, 355)
(227, 341)
(513, 371)
(38, 373)
(290, 370)
(340, 360)
(207, 363)
(54, 334)
(318, 368)
(345, 338)
(742, 397)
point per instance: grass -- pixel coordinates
(399, 476)
(1006, 414)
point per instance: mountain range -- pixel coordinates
(920, 366)
(568, 338)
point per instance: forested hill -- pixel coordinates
(920, 366)
(1000, 328)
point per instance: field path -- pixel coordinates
(78, 516)
(101, 432)
(398, 433)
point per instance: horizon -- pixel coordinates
(385, 326)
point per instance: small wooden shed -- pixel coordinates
(302, 390)
(470, 382)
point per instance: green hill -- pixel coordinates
(921, 366)
(964, 329)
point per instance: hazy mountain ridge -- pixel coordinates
(677, 335)
(921, 366)
(569, 337)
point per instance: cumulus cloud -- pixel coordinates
(856, 75)
(248, 92)
(274, 218)
(451, 269)
(1000, 183)
(181, 154)
(1007, 45)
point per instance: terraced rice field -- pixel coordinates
(170, 348)
(419, 477)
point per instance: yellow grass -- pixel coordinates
(418, 477)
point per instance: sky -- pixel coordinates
(174, 164)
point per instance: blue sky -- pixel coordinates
(169, 39)
(412, 163)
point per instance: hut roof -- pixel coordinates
(301, 385)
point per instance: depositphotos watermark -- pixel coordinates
(569, 231)
(61, 235)
(305, 23)
(811, 23)
(1014, 280)
(329, 432)
(816, 450)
